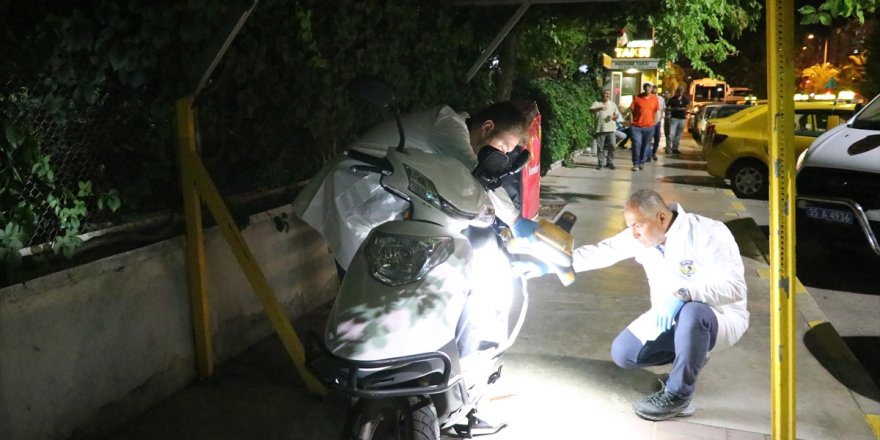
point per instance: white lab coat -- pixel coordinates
(700, 254)
(344, 207)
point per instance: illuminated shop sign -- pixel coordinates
(634, 63)
(640, 43)
(632, 52)
(635, 49)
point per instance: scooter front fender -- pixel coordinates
(372, 320)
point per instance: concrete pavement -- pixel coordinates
(559, 381)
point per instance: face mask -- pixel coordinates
(491, 164)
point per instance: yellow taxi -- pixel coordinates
(736, 147)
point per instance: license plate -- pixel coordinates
(830, 215)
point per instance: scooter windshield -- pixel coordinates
(422, 186)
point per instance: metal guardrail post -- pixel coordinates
(197, 184)
(195, 238)
(252, 271)
(197, 187)
(780, 94)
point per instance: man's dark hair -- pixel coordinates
(505, 114)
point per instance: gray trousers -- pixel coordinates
(605, 141)
(686, 346)
(676, 128)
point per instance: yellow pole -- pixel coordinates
(252, 271)
(195, 239)
(780, 94)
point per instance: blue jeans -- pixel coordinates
(656, 144)
(685, 346)
(676, 127)
(641, 140)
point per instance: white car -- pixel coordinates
(838, 184)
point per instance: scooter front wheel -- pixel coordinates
(402, 418)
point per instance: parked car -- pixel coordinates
(838, 185)
(736, 147)
(712, 111)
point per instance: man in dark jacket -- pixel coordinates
(678, 108)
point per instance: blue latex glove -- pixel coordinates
(524, 228)
(666, 312)
(529, 268)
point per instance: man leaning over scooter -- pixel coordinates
(697, 289)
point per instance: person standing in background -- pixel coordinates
(658, 118)
(643, 110)
(678, 107)
(666, 96)
(607, 115)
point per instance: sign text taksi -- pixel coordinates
(632, 52)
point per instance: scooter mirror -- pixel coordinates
(378, 93)
(372, 90)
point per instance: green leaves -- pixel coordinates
(566, 120)
(110, 200)
(11, 240)
(14, 135)
(832, 10)
(29, 186)
(699, 30)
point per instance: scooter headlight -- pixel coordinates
(401, 259)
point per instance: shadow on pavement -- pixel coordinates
(694, 156)
(707, 181)
(865, 348)
(255, 395)
(751, 241)
(823, 341)
(695, 166)
(837, 270)
(551, 194)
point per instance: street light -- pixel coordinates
(825, 51)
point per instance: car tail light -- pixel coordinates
(713, 138)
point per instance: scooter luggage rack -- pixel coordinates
(343, 375)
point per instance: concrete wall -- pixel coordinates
(84, 349)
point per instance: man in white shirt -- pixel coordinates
(698, 295)
(607, 116)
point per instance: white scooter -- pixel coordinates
(416, 332)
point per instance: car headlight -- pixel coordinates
(422, 186)
(401, 259)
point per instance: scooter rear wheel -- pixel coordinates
(404, 418)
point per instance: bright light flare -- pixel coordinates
(492, 285)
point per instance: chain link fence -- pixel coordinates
(74, 145)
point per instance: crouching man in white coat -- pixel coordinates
(698, 295)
